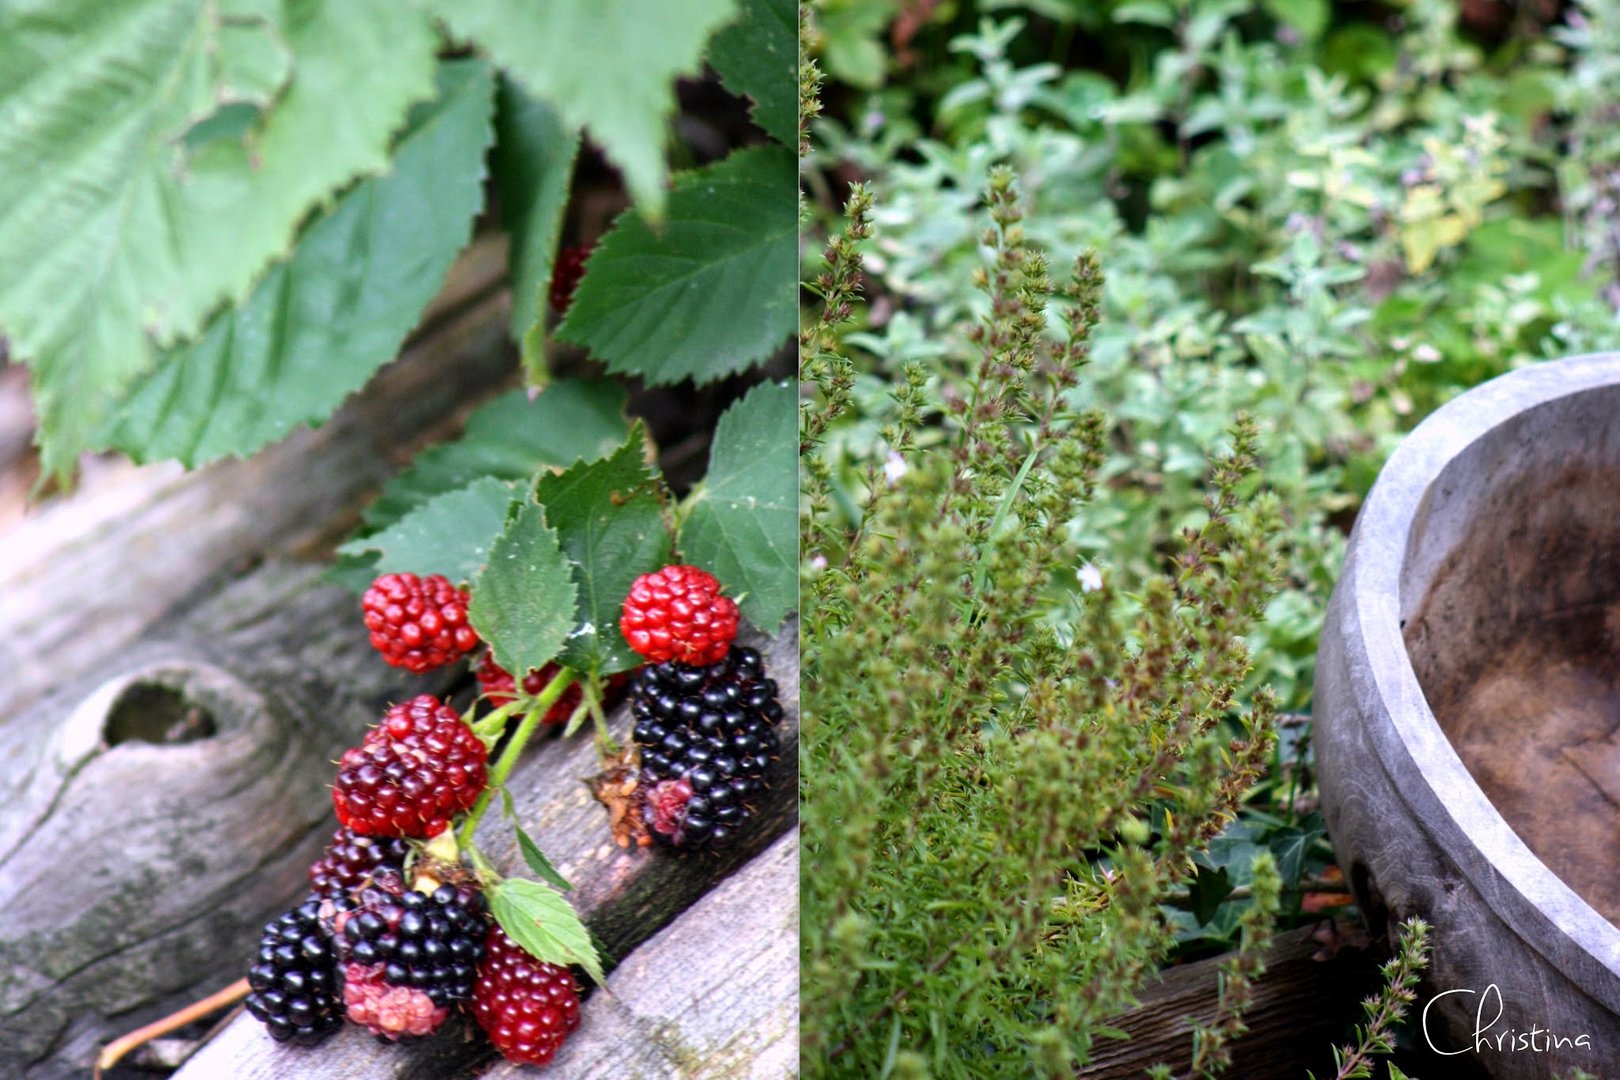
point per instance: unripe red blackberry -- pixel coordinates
(409, 957)
(294, 978)
(566, 273)
(707, 737)
(498, 686)
(412, 773)
(350, 861)
(418, 623)
(677, 613)
(527, 1007)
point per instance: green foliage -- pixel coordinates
(663, 303)
(1000, 785)
(611, 527)
(741, 524)
(158, 155)
(752, 54)
(1388, 1008)
(607, 66)
(320, 323)
(523, 601)
(451, 533)
(539, 918)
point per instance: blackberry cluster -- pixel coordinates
(351, 860)
(409, 957)
(707, 737)
(294, 981)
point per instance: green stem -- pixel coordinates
(514, 748)
(490, 727)
(593, 699)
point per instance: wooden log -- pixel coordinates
(1302, 1005)
(625, 896)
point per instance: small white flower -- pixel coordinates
(894, 468)
(1090, 577)
(1426, 354)
(818, 562)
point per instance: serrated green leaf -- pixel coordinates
(541, 920)
(611, 528)
(523, 602)
(450, 534)
(323, 321)
(713, 292)
(742, 524)
(115, 230)
(509, 439)
(534, 168)
(758, 56)
(538, 862)
(608, 66)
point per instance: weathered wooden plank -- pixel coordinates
(626, 897)
(712, 996)
(1301, 1006)
(86, 575)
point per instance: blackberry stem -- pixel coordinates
(593, 700)
(514, 748)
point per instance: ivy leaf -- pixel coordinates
(538, 862)
(1208, 888)
(608, 66)
(534, 167)
(322, 322)
(117, 230)
(742, 524)
(713, 291)
(523, 602)
(758, 56)
(540, 919)
(611, 528)
(450, 534)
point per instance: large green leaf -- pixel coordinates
(713, 292)
(758, 55)
(534, 166)
(540, 919)
(319, 324)
(607, 65)
(608, 519)
(742, 524)
(123, 219)
(523, 602)
(511, 437)
(450, 534)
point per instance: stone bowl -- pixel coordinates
(1467, 717)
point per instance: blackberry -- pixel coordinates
(412, 773)
(677, 613)
(294, 980)
(418, 623)
(351, 860)
(410, 957)
(526, 1006)
(707, 737)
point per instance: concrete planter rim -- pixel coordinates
(1378, 554)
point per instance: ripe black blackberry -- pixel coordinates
(707, 737)
(410, 957)
(351, 860)
(294, 980)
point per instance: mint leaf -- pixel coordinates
(124, 221)
(319, 324)
(538, 862)
(758, 56)
(608, 66)
(449, 534)
(523, 602)
(742, 524)
(540, 919)
(534, 167)
(612, 530)
(712, 292)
